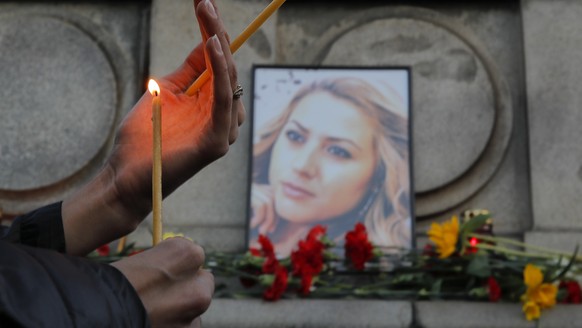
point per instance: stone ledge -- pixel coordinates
(227, 313)
(312, 313)
(451, 314)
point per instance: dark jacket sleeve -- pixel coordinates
(42, 288)
(40, 228)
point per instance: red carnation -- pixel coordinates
(255, 251)
(248, 282)
(429, 250)
(574, 293)
(307, 260)
(306, 282)
(268, 252)
(494, 290)
(266, 246)
(358, 248)
(103, 250)
(316, 232)
(279, 285)
(270, 264)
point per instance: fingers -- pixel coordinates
(258, 216)
(241, 115)
(237, 116)
(194, 65)
(195, 296)
(192, 286)
(196, 323)
(264, 213)
(205, 13)
(210, 24)
(269, 225)
(169, 281)
(221, 115)
(210, 27)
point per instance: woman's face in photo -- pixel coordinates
(323, 159)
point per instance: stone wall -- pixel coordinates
(554, 101)
(70, 72)
(496, 115)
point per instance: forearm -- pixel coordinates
(96, 214)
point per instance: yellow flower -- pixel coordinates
(167, 235)
(542, 295)
(531, 310)
(445, 236)
(532, 276)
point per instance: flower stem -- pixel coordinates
(524, 245)
(513, 252)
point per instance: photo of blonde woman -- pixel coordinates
(336, 152)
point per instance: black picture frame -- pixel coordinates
(378, 88)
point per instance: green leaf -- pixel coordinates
(266, 279)
(407, 277)
(436, 288)
(328, 243)
(479, 292)
(479, 267)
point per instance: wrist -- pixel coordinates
(101, 205)
(130, 205)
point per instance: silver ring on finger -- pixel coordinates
(238, 92)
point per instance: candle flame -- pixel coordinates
(153, 87)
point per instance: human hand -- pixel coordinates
(262, 204)
(196, 130)
(169, 280)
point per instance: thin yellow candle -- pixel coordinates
(157, 162)
(234, 45)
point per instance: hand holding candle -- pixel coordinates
(157, 162)
(196, 132)
(235, 45)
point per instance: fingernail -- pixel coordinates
(216, 44)
(210, 8)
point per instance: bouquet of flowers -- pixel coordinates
(463, 261)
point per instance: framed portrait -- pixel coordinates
(331, 146)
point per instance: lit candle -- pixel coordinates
(157, 162)
(234, 45)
